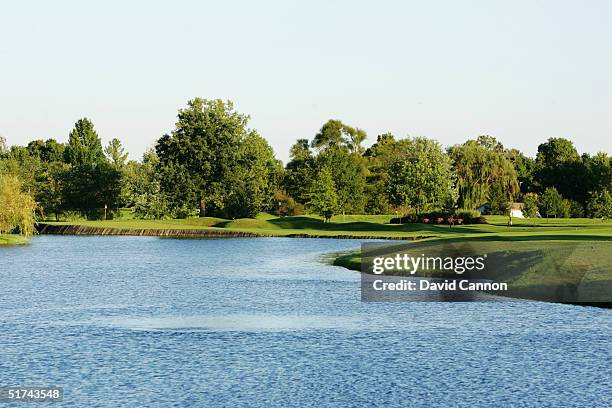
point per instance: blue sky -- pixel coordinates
(522, 71)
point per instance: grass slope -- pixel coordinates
(377, 226)
(563, 260)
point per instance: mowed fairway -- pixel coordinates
(377, 226)
(558, 260)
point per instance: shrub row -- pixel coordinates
(459, 217)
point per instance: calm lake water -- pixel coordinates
(141, 321)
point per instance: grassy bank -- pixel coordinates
(372, 226)
(11, 239)
(264, 224)
(565, 260)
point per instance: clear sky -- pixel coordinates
(522, 71)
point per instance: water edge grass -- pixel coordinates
(12, 239)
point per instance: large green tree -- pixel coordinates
(525, 168)
(204, 163)
(18, 162)
(559, 165)
(300, 171)
(530, 201)
(323, 198)
(47, 151)
(116, 154)
(255, 180)
(379, 158)
(338, 149)
(421, 177)
(551, 204)
(91, 186)
(51, 181)
(92, 189)
(335, 133)
(142, 188)
(599, 169)
(41, 170)
(198, 157)
(600, 204)
(84, 144)
(348, 171)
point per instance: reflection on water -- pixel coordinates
(242, 323)
(140, 321)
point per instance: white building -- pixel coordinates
(516, 210)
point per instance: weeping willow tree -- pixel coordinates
(16, 207)
(480, 164)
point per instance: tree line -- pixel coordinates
(213, 164)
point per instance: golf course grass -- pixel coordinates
(372, 226)
(560, 260)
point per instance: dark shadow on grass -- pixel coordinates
(302, 222)
(544, 225)
(539, 237)
(313, 223)
(551, 272)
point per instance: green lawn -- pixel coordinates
(562, 260)
(377, 226)
(11, 239)
(568, 271)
